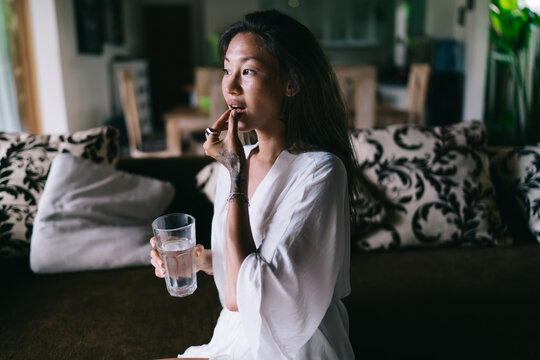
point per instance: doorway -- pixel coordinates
(169, 50)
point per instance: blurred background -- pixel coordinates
(70, 65)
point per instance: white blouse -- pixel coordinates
(289, 290)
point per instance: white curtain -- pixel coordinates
(9, 114)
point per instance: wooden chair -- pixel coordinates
(417, 87)
(182, 121)
(358, 84)
(131, 108)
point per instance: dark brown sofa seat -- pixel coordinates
(409, 304)
(471, 303)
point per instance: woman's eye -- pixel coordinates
(226, 72)
(247, 71)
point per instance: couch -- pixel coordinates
(418, 303)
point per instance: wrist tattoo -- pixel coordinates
(233, 164)
(238, 197)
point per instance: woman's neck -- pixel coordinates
(269, 146)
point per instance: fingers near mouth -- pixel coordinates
(237, 114)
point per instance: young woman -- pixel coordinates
(280, 233)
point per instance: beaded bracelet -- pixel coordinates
(238, 196)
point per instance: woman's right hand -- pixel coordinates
(229, 151)
(203, 259)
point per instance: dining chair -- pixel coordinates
(358, 84)
(417, 88)
(132, 106)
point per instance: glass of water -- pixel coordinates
(175, 242)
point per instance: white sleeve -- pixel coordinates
(286, 287)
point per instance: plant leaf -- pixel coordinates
(508, 5)
(496, 22)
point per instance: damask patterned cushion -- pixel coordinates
(516, 175)
(25, 160)
(434, 183)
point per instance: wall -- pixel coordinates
(219, 14)
(75, 90)
(87, 78)
(48, 66)
(476, 47)
(441, 18)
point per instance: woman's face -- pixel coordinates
(251, 82)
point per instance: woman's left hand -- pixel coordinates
(203, 259)
(229, 151)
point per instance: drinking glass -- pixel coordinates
(175, 242)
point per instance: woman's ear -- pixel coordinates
(291, 89)
(292, 84)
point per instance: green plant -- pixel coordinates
(515, 39)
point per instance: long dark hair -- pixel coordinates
(315, 117)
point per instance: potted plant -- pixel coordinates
(512, 111)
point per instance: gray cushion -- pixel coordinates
(95, 217)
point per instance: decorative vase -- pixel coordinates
(512, 97)
(502, 114)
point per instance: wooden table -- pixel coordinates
(181, 121)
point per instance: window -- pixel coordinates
(22, 61)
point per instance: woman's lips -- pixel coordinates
(238, 109)
(237, 113)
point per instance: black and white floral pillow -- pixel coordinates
(516, 174)
(434, 183)
(25, 160)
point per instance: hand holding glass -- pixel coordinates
(175, 242)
